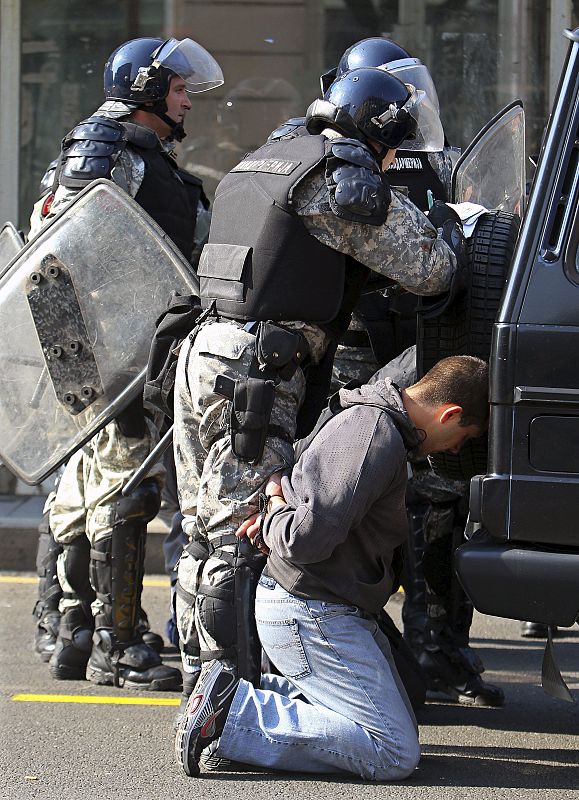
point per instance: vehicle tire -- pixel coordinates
(465, 328)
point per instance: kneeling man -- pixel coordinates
(333, 526)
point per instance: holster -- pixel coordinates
(278, 353)
(252, 402)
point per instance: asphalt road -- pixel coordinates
(101, 751)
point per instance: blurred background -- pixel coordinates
(481, 53)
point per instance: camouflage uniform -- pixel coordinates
(88, 511)
(359, 363)
(218, 490)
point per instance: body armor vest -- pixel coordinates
(169, 195)
(260, 262)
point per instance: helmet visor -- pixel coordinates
(190, 61)
(429, 136)
(411, 70)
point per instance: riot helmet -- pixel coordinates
(372, 52)
(368, 104)
(386, 54)
(139, 72)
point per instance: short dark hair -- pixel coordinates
(463, 380)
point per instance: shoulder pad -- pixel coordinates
(353, 152)
(289, 128)
(100, 129)
(358, 190)
(90, 151)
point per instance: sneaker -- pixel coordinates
(205, 715)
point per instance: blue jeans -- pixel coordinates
(342, 708)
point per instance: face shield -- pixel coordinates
(429, 136)
(190, 61)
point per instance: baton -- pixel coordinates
(151, 459)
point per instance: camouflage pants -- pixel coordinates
(353, 363)
(218, 490)
(84, 503)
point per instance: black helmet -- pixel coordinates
(139, 73)
(386, 54)
(373, 52)
(369, 103)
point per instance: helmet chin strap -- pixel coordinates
(177, 129)
(159, 109)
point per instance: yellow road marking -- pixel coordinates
(153, 582)
(83, 698)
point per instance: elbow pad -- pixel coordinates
(358, 189)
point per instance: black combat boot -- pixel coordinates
(73, 645)
(119, 656)
(131, 666)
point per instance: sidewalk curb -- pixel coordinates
(19, 520)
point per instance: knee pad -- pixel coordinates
(77, 568)
(215, 610)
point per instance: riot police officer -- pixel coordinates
(128, 140)
(437, 614)
(297, 227)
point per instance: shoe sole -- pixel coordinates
(107, 679)
(183, 737)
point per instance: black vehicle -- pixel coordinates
(522, 562)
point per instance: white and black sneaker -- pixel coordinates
(205, 715)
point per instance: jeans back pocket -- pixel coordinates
(283, 645)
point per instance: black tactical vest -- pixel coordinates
(260, 262)
(169, 195)
(412, 170)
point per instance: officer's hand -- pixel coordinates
(441, 213)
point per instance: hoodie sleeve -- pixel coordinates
(348, 466)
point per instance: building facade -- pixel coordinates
(481, 53)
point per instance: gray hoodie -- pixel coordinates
(345, 513)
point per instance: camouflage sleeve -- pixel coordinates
(442, 163)
(405, 249)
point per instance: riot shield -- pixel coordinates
(11, 243)
(491, 171)
(77, 314)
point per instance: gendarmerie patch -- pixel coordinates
(405, 163)
(275, 166)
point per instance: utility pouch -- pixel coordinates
(279, 349)
(252, 402)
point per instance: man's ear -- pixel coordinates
(448, 412)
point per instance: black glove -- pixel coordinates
(441, 213)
